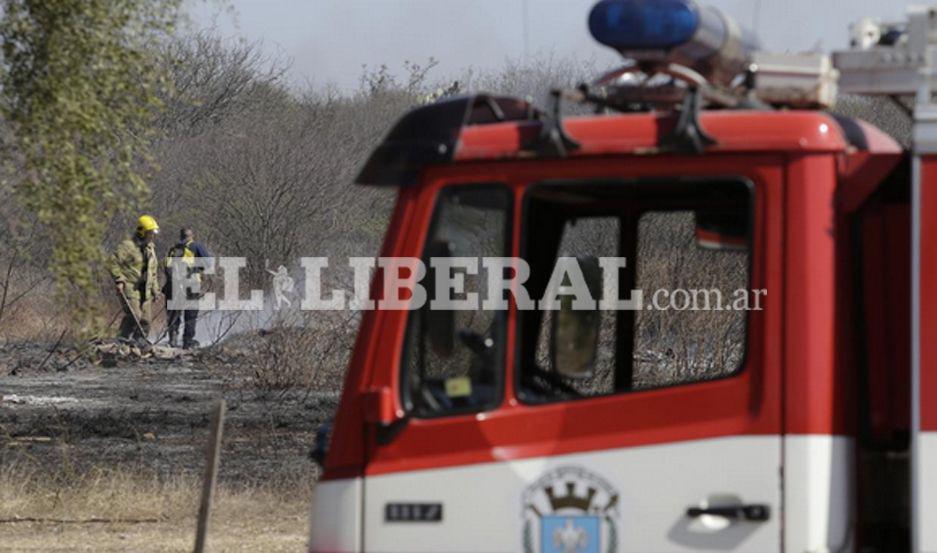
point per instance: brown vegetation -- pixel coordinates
(116, 510)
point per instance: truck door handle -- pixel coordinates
(751, 513)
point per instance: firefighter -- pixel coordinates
(134, 270)
(185, 251)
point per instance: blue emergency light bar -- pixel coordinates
(644, 24)
(677, 31)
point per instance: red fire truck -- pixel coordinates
(807, 423)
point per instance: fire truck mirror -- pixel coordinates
(721, 229)
(576, 331)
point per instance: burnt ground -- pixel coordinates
(69, 412)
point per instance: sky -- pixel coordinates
(328, 41)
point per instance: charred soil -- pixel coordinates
(68, 412)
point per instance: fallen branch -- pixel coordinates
(53, 350)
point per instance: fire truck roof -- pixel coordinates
(480, 128)
(641, 133)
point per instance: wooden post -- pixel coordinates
(212, 455)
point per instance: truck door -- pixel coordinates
(652, 425)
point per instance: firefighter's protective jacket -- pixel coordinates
(135, 265)
(187, 252)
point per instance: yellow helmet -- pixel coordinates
(147, 223)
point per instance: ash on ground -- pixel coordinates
(117, 405)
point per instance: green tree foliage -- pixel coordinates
(81, 84)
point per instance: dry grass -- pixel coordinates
(36, 315)
(116, 510)
(287, 350)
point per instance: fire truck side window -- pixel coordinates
(671, 344)
(453, 359)
(685, 246)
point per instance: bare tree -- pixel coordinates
(213, 78)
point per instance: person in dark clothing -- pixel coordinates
(186, 251)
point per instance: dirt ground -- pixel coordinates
(61, 420)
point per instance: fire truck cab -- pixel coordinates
(795, 411)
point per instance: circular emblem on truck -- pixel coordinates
(570, 510)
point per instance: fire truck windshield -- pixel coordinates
(676, 238)
(453, 358)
